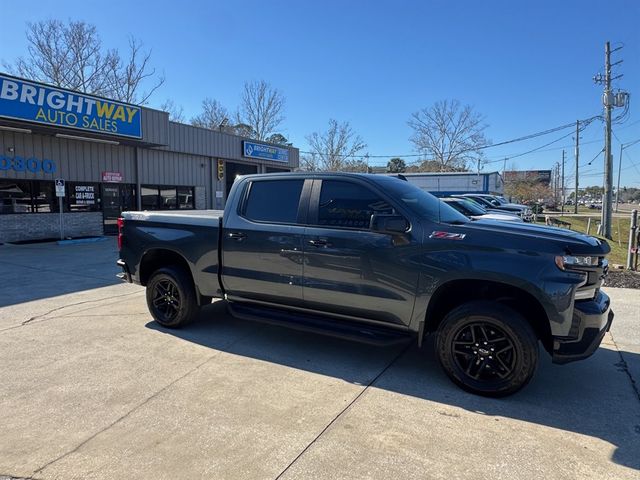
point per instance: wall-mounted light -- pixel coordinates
(15, 129)
(86, 139)
(11, 149)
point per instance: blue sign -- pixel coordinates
(21, 164)
(34, 102)
(265, 152)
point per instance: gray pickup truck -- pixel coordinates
(374, 258)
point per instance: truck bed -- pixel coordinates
(155, 237)
(184, 217)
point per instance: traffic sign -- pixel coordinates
(59, 187)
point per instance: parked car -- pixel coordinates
(472, 210)
(491, 204)
(376, 259)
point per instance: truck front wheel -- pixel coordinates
(487, 348)
(171, 297)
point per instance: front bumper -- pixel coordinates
(591, 321)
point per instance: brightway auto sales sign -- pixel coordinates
(34, 102)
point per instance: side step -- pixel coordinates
(344, 329)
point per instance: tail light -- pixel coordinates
(120, 232)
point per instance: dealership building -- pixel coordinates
(71, 163)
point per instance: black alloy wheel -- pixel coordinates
(487, 348)
(171, 297)
(484, 352)
(166, 300)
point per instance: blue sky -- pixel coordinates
(526, 66)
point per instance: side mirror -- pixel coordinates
(393, 224)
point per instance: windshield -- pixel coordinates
(501, 200)
(472, 207)
(420, 202)
(481, 201)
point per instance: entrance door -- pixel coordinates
(116, 199)
(235, 169)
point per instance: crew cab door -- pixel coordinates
(262, 241)
(349, 269)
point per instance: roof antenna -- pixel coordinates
(402, 177)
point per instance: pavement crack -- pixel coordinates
(344, 410)
(74, 305)
(46, 314)
(622, 364)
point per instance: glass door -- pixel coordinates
(116, 198)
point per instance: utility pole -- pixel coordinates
(575, 204)
(609, 100)
(608, 164)
(562, 185)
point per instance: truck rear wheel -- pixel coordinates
(171, 297)
(487, 348)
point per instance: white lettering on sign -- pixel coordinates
(9, 90)
(85, 195)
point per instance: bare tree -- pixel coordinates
(452, 135)
(71, 55)
(261, 108)
(127, 78)
(213, 116)
(176, 112)
(335, 149)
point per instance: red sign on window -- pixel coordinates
(112, 177)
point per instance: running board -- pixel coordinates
(343, 329)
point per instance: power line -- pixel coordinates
(590, 162)
(483, 147)
(529, 151)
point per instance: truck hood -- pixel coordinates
(534, 236)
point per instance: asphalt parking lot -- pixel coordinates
(91, 387)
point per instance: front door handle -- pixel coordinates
(318, 243)
(237, 235)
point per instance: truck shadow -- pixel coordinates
(594, 397)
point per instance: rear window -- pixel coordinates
(273, 201)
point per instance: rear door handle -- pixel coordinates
(237, 235)
(318, 243)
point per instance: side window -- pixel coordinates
(273, 201)
(348, 205)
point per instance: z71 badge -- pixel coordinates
(448, 235)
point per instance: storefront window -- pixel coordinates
(24, 196)
(44, 197)
(149, 196)
(83, 197)
(15, 196)
(167, 197)
(185, 198)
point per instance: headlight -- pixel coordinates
(568, 261)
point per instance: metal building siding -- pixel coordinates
(75, 160)
(202, 141)
(155, 126)
(169, 168)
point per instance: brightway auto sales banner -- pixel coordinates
(39, 103)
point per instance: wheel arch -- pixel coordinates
(448, 296)
(156, 258)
